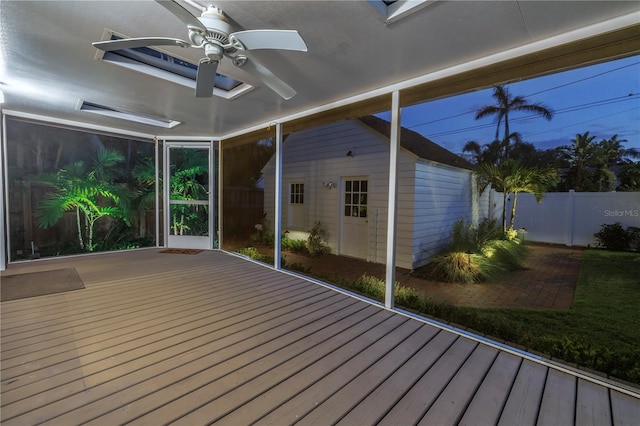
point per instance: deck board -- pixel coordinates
(592, 405)
(147, 363)
(331, 372)
(354, 384)
(417, 401)
(454, 399)
(375, 406)
(489, 399)
(524, 398)
(625, 409)
(194, 339)
(558, 400)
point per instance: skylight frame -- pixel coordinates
(398, 9)
(153, 71)
(94, 108)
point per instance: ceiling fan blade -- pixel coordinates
(269, 39)
(183, 14)
(206, 78)
(267, 77)
(130, 43)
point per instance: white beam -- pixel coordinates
(157, 189)
(211, 198)
(220, 193)
(278, 198)
(394, 145)
(4, 227)
(77, 124)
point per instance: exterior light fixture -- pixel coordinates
(329, 184)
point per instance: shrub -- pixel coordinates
(620, 363)
(406, 297)
(295, 246)
(614, 237)
(254, 253)
(477, 254)
(370, 286)
(298, 267)
(506, 254)
(457, 266)
(634, 232)
(469, 239)
(315, 245)
(263, 237)
(251, 252)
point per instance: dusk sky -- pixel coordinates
(603, 99)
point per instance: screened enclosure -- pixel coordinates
(73, 191)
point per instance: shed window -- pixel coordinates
(297, 193)
(296, 205)
(355, 198)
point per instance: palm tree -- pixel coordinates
(630, 177)
(579, 157)
(506, 103)
(144, 186)
(534, 180)
(487, 153)
(91, 193)
(494, 152)
(611, 152)
(512, 177)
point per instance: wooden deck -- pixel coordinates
(212, 338)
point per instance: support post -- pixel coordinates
(220, 188)
(394, 144)
(4, 227)
(157, 189)
(277, 231)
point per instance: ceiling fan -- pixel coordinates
(213, 33)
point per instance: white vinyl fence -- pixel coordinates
(571, 218)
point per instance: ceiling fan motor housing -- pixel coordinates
(218, 29)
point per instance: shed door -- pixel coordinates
(354, 238)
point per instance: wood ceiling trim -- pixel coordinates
(608, 46)
(365, 107)
(251, 137)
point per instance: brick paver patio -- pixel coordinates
(548, 282)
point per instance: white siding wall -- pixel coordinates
(425, 215)
(442, 196)
(319, 155)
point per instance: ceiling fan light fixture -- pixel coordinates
(213, 33)
(218, 28)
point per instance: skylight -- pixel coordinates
(168, 67)
(393, 10)
(127, 115)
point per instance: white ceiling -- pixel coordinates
(47, 61)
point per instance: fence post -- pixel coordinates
(491, 205)
(570, 223)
